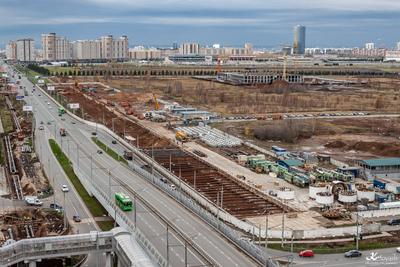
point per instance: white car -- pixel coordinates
(398, 250)
(173, 187)
(65, 188)
(41, 127)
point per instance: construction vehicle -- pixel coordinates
(156, 104)
(63, 132)
(181, 136)
(33, 201)
(128, 155)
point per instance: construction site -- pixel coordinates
(256, 150)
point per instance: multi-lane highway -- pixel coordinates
(106, 173)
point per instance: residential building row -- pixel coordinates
(107, 47)
(21, 50)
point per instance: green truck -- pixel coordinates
(61, 111)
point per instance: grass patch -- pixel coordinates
(106, 225)
(332, 248)
(30, 74)
(92, 203)
(109, 151)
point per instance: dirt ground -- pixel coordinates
(351, 138)
(376, 94)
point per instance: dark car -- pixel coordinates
(352, 254)
(99, 152)
(55, 206)
(114, 141)
(394, 222)
(76, 218)
(94, 133)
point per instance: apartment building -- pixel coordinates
(189, 49)
(141, 53)
(63, 48)
(25, 50)
(21, 50)
(120, 47)
(86, 49)
(11, 50)
(114, 48)
(49, 46)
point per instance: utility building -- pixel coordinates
(380, 168)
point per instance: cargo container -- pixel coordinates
(389, 205)
(379, 183)
(393, 188)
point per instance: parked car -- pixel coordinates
(352, 254)
(76, 218)
(55, 206)
(65, 188)
(394, 222)
(306, 253)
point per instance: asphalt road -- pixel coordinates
(81, 149)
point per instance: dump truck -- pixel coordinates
(63, 132)
(181, 136)
(33, 201)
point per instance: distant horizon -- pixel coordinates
(266, 24)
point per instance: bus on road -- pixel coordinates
(123, 201)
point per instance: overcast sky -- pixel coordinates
(265, 23)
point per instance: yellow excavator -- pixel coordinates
(156, 104)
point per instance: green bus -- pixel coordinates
(61, 111)
(123, 201)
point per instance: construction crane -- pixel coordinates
(284, 78)
(156, 104)
(218, 67)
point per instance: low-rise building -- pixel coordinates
(257, 78)
(380, 168)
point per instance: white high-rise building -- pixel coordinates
(25, 49)
(107, 47)
(63, 48)
(55, 47)
(370, 46)
(86, 49)
(120, 47)
(299, 42)
(190, 49)
(49, 46)
(11, 50)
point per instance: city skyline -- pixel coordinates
(151, 22)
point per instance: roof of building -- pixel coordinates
(292, 162)
(382, 162)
